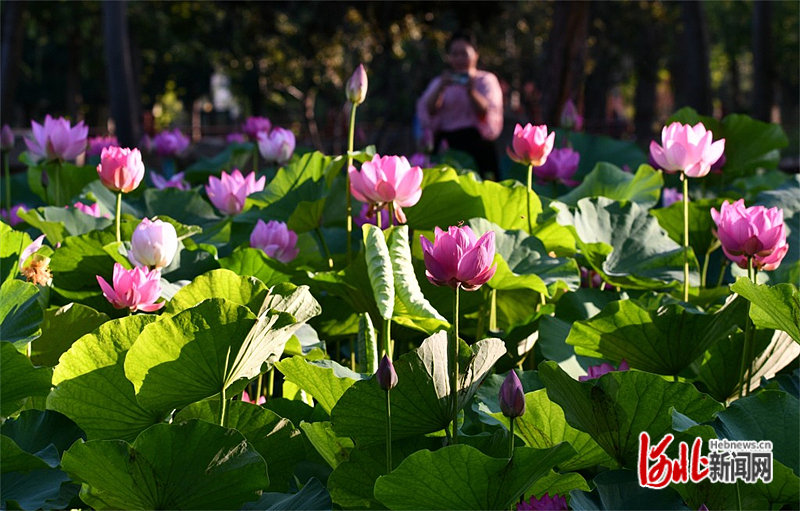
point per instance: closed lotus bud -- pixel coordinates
(531, 145)
(120, 169)
(6, 138)
(357, 86)
(153, 244)
(387, 377)
(276, 145)
(512, 398)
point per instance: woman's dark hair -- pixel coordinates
(462, 35)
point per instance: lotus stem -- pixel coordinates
(511, 439)
(118, 215)
(750, 341)
(349, 206)
(685, 237)
(379, 220)
(387, 337)
(324, 246)
(453, 365)
(270, 383)
(493, 312)
(745, 370)
(388, 431)
(255, 157)
(352, 355)
(530, 191)
(259, 383)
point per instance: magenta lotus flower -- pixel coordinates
(755, 232)
(229, 193)
(687, 149)
(56, 139)
(97, 144)
(11, 215)
(597, 371)
(236, 138)
(153, 244)
(531, 145)
(545, 503)
(368, 215)
(176, 181)
(512, 397)
(275, 239)
(457, 258)
(255, 125)
(560, 166)
(136, 289)
(93, 210)
(356, 89)
(385, 180)
(260, 401)
(277, 145)
(6, 138)
(570, 118)
(120, 169)
(170, 143)
(670, 196)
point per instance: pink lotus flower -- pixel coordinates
(531, 145)
(755, 232)
(236, 138)
(356, 89)
(457, 258)
(97, 144)
(170, 143)
(545, 503)
(368, 215)
(176, 181)
(6, 138)
(687, 149)
(275, 239)
(570, 118)
(229, 193)
(560, 166)
(12, 217)
(93, 210)
(57, 139)
(277, 145)
(387, 179)
(121, 169)
(670, 196)
(255, 125)
(136, 289)
(246, 398)
(153, 244)
(597, 371)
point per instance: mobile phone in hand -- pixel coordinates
(460, 78)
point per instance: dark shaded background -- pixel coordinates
(627, 65)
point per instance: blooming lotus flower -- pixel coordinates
(6, 138)
(531, 145)
(368, 215)
(357, 86)
(97, 144)
(601, 369)
(136, 289)
(236, 138)
(170, 143)
(153, 244)
(176, 181)
(386, 375)
(687, 149)
(56, 139)
(11, 216)
(387, 179)
(570, 118)
(670, 196)
(260, 401)
(275, 239)
(546, 502)
(93, 210)
(512, 397)
(755, 232)
(229, 192)
(457, 258)
(255, 125)
(121, 169)
(561, 165)
(277, 145)
(38, 269)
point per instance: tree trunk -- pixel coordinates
(644, 101)
(763, 72)
(564, 71)
(11, 57)
(125, 107)
(693, 80)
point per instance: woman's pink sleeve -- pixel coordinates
(491, 125)
(426, 120)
